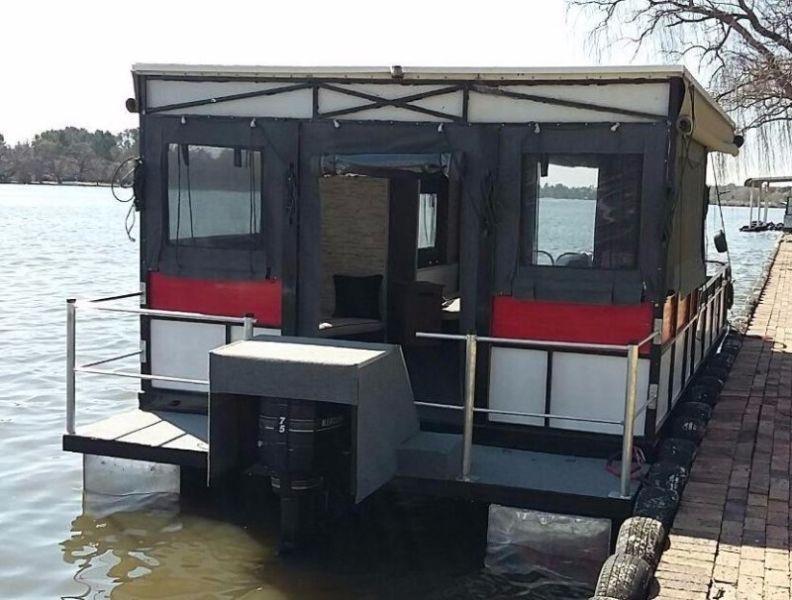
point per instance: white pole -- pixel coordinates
(71, 326)
(630, 396)
(766, 200)
(750, 204)
(470, 396)
(247, 327)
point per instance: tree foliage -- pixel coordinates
(744, 45)
(64, 155)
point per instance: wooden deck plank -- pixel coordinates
(163, 436)
(157, 434)
(118, 425)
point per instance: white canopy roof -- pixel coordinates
(713, 127)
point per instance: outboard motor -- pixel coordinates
(305, 448)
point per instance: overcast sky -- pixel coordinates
(67, 63)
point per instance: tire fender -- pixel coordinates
(642, 537)
(624, 577)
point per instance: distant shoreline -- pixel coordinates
(64, 183)
(92, 184)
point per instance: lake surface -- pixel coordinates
(59, 242)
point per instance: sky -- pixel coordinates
(67, 63)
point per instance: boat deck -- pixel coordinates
(538, 480)
(160, 436)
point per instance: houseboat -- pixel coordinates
(487, 284)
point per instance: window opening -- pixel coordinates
(214, 196)
(581, 210)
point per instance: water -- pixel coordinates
(749, 252)
(62, 242)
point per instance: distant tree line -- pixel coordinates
(72, 154)
(738, 195)
(559, 190)
(730, 194)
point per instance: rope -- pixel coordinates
(720, 212)
(638, 462)
(252, 203)
(178, 201)
(118, 181)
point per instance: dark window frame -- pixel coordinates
(529, 223)
(438, 253)
(257, 241)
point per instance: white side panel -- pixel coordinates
(707, 316)
(518, 380)
(296, 105)
(696, 331)
(679, 351)
(181, 349)
(649, 98)
(663, 385)
(586, 385)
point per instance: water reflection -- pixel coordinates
(145, 546)
(149, 550)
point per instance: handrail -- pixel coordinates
(515, 413)
(144, 376)
(537, 343)
(247, 322)
(630, 397)
(174, 314)
(104, 361)
(548, 416)
(116, 297)
(631, 412)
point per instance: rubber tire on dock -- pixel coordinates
(723, 359)
(696, 410)
(702, 393)
(667, 476)
(678, 451)
(689, 427)
(719, 371)
(642, 537)
(624, 577)
(710, 381)
(657, 503)
(732, 343)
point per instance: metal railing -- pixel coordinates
(98, 304)
(631, 351)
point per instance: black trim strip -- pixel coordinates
(219, 77)
(536, 499)
(120, 449)
(548, 387)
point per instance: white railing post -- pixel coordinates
(71, 326)
(630, 396)
(470, 397)
(766, 200)
(750, 204)
(247, 327)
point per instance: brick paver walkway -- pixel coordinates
(731, 536)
